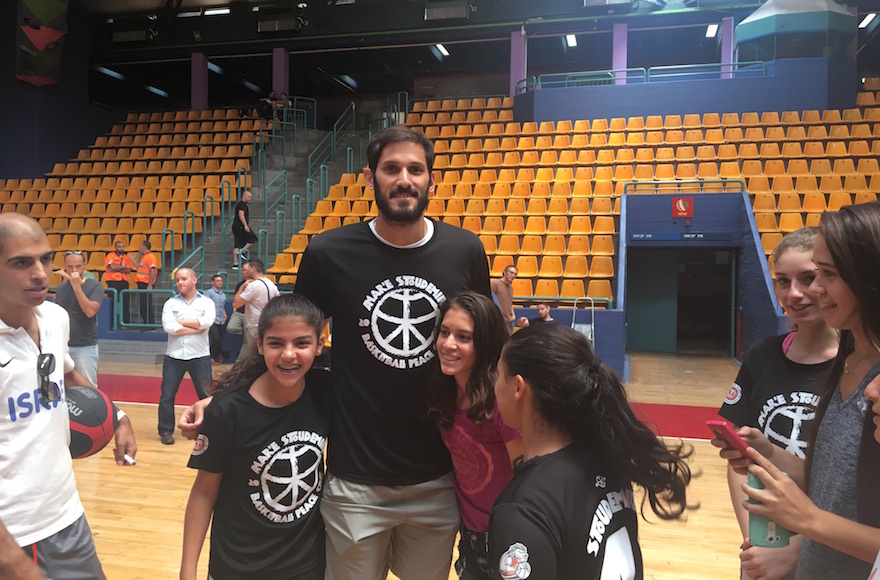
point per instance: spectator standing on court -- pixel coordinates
(39, 503)
(382, 282)
(502, 288)
(147, 272)
(256, 291)
(542, 318)
(215, 335)
(241, 229)
(81, 297)
(118, 265)
(186, 317)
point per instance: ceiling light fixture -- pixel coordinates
(867, 20)
(571, 40)
(216, 11)
(711, 31)
(442, 49)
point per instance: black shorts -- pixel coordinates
(243, 238)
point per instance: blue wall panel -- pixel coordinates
(796, 84)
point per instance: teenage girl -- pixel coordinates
(469, 338)
(569, 512)
(838, 515)
(260, 456)
(777, 389)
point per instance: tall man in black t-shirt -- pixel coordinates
(382, 282)
(241, 227)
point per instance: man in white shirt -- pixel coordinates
(186, 317)
(39, 504)
(256, 291)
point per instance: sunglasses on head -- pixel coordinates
(49, 390)
(73, 253)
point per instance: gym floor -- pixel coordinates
(136, 513)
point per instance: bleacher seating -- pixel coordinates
(137, 180)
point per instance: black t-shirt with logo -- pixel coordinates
(384, 304)
(267, 521)
(777, 395)
(568, 515)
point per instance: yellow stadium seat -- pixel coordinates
(602, 267)
(527, 266)
(551, 267)
(554, 245)
(547, 288)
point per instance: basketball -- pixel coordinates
(92, 420)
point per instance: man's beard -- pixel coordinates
(403, 215)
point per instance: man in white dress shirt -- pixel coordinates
(186, 317)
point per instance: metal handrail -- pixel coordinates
(262, 245)
(271, 190)
(296, 214)
(674, 186)
(638, 75)
(326, 149)
(279, 235)
(686, 71)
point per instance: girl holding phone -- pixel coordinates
(838, 514)
(778, 386)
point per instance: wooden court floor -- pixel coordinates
(136, 513)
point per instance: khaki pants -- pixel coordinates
(371, 528)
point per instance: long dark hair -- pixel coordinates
(577, 394)
(250, 364)
(852, 235)
(490, 332)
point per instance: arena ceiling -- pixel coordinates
(398, 47)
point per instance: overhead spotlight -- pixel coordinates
(216, 11)
(442, 49)
(711, 31)
(109, 73)
(189, 14)
(156, 91)
(867, 20)
(571, 40)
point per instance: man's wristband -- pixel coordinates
(119, 414)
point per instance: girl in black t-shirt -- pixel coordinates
(260, 456)
(778, 386)
(569, 512)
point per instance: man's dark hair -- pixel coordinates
(257, 264)
(147, 244)
(217, 276)
(398, 134)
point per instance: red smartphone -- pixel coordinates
(723, 430)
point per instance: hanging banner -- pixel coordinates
(41, 26)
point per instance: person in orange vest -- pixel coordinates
(147, 272)
(118, 266)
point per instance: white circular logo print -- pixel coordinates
(399, 327)
(290, 478)
(403, 322)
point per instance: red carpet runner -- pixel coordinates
(666, 420)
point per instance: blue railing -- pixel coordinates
(326, 149)
(640, 75)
